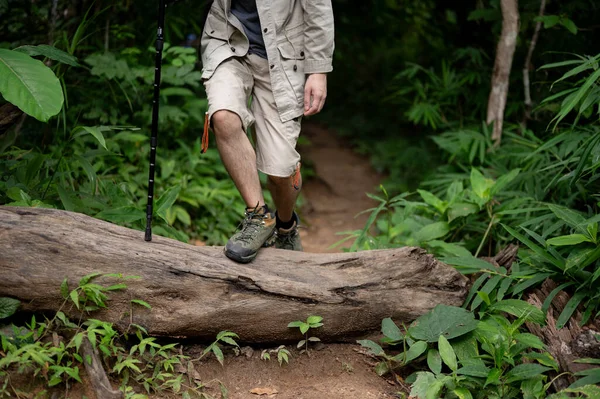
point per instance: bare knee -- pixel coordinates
(278, 181)
(226, 124)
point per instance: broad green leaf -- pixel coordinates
(30, 85)
(519, 309)
(166, 201)
(218, 353)
(569, 24)
(49, 52)
(434, 361)
(95, 132)
(454, 190)
(474, 370)
(571, 217)
(382, 369)
(434, 389)
(493, 377)
(481, 185)
(543, 358)
(572, 239)
(447, 353)
(314, 319)
(445, 249)
(64, 288)
(304, 328)
(460, 209)
(463, 393)
(592, 391)
(443, 320)
(75, 298)
(432, 231)
(375, 348)
(525, 371)
(391, 330)
(8, 307)
(424, 380)
(295, 324)
(416, 350)
(433, 200)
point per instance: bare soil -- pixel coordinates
(334, 371)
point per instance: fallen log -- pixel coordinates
(197, 291)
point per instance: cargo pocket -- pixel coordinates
(292, 60)
(215, 38)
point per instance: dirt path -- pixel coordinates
(332, 200)
(337, 194)
(335, 372)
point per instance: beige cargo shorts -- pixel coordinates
(235, 83)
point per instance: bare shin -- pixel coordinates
(284, 195)
(238, 156)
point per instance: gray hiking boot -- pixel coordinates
(288, 238)
(257, 228)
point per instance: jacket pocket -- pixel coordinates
(292, 61)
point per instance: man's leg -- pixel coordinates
(228, 91)
(238, 156)
(276, 154)
(284, 195)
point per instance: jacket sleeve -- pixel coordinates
(318, 36)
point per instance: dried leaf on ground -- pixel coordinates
(264, 391)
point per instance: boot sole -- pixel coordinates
(240, 259)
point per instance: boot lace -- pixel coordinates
(252, 223)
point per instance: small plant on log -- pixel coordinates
(304, 326)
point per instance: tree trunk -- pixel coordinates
(197, 291)
(528, 65)
(502, 66)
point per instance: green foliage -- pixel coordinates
(136, 361)
(490, 358)
(30, 85)
(8, 306)
(224, 337)
(283, 355)
(312, 322)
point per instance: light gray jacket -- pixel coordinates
(299, 39)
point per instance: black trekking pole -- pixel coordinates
(160, 40)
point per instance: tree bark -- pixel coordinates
(96, 374)
(502, 66)
(197, 291)
(9, 114)
(527, 66)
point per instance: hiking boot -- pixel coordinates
(288, 238)
(257, 227)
